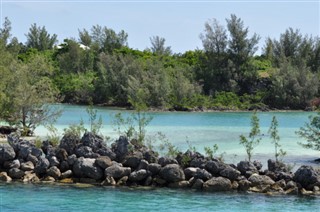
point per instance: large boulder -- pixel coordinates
(117, 171)
(120, 148)
(4, 177)
(230, 173)
(172, 173)
(42, 166)
(106, 151)
(163, 161)
(69, 142)
(217, 184)
(154, 168)
(260, 180)
(6, 153)
(139, 175)
(215, 166)
(12, 164)
(247, 167)
(276, 166)
(93, 141)
(87, 168)
(16, 173)
(306, 176)
(54, 172)
(104, 162)
(27, 166)
(133, 160)
(86, 152)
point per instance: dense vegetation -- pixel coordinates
(99, 67)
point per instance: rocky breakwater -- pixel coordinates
(127, 163)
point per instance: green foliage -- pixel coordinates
(124, 126)
(167, 147)
(158, 46)
(39, 38)
(274, 135)
(76, 130)
(311, 132)
(95, 122)
(53, 136)
(253, 139)
(210, 152)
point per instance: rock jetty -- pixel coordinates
(125, 163)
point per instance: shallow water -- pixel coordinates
(29, 197)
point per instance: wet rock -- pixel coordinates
(123, 181)
(48, 179)
(41, 167)
(217, 184)
(172, 173)
(117, 172)
(54, 172)
(27, 166)
(230, 173)
(86, 167)
(257, 180)
(139, 175)
(6, 153)
(4, 177)
(163, 161)
(180, 184)
(30, 177)
(306, 176)
(148, 181)
(197, 184)
(69, 142)
(291, 184)
(154, 168)
(15, 173)
(104, 162)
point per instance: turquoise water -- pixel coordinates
(207, 129)
(201, 129)
(28, 197)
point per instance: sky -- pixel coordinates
(179, 22)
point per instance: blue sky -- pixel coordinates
(179, 22)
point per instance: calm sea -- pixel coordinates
(197, 129)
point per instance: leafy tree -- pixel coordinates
(95, 122)
(253, 140)
(158, 46)
(5, 32)
(311, 132)
(84, 37)
(30, 93)
(39, 38)
(274, 135)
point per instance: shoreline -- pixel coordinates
(129, 164)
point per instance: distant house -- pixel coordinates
(62, 45)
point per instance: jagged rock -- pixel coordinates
(120, 148)
(148, 181)
(117, 172)
(15, 173)
(246, 166)
(180, 184)
(143, 165)
(53, 161)
(202, 174)
(217, 184)
(42, 166)
(30, 177)
(6, 153)
(163, 161)
(215, 167)
(150, 156)
(86, 167)
(71, 159)
(86, 152)
(139, 175)
(105, 151)
(54, 172)
(33, 159)
(109, 181)
(230, 173)
(4, 177)
(276, 166)
(93, 141)
(27, 166)
(104, 162)
(190, 172)
(61, 154)
(66, 174)
(257, 164)
(284, 176)
(172, 173)
(69, 142)
(197, 184)
(64, 166)
(198, 162)
(12, 164)
(154, 168)
(133, 161)
(258, 180)
(306, 176)
(36, 152)
(24, 151)
(244, 185)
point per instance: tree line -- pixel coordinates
(99, 67)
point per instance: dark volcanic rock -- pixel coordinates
(163, 161)
(86, 167)
(54, 172)
(172, 173)
(6, 153)
(246, 166)
(260, 180)
(69, 142)
(117, 171)
(42, 166)
(154, 168)
(105, 151)
(139, 175)
(275, 166)
(133, 161)
(230, 173)
(306, 176)
(120, 148)
(86, 152)
(93, 141)
(16, 173)
(215, 167)
(104, 162)
(217, 184)
(27, 166)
